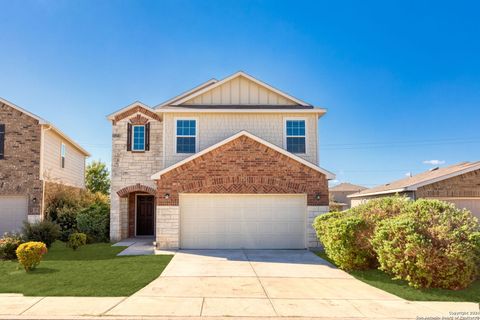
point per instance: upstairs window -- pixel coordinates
(63, 154)
(186, 136)
(2, 141)
(138, 137)
(295, 136)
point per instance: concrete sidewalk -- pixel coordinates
(239, 283)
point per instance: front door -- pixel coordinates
(145, 215)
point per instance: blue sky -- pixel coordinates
(400, 79)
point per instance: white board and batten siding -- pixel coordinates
(73, 172)
(240, 91)
(235, 221)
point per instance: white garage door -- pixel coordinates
(13, 211)
(226, 221)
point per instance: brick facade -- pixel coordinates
(243, 166)
(466, 185)
(20, 169)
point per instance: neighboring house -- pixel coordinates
(339, 194)
(35, 159)
(458, 184)
(228, 164)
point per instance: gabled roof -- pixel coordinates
(28, 113)
(420, 180)
(187, 93)
(329, 175)
(44, 123)
(345, 187)
(195, 93)
(135, 104)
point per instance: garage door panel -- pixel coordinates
(13, 211)
(242, 221)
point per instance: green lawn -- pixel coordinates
(400, 288)
(92, 270)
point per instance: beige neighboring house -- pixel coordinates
(231, 163)
(339, 193)
(458, 184)
(36, 158)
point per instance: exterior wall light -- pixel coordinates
(317, 196)
(166, 195)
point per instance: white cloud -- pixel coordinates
(434, 162)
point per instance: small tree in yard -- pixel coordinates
(97, 178)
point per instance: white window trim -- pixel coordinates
(133, 135)
(63, 155)
(285, 133)
(175, 136)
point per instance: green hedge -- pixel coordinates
(346, 235)
(428, 243)
(95, 222)
(432, 244)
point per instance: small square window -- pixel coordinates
(295, 136)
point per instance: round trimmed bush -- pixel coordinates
(76, 240)
(432, 244)
(29, 254)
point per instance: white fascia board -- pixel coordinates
(329, 174)
(243, 74)
(448, 176)
(189, 92)
(67, 138)
(377, 193)
(111, 116)
(207, 110)
(28, 113)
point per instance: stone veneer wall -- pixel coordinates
(20, 168)
(130, 168)
(168, 227)
(312, 213)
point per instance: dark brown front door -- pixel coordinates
(145, 215)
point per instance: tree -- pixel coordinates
(97, 178)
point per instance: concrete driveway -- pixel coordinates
(256, 283)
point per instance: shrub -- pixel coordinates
(432, 244)
(9, 244)
(30, 254)
(95, 222)
(339, 233)
(76, 240)
(44, 231)
(346, 235)
(67, 221)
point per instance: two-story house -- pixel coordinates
(36, 159)
(229, 164)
